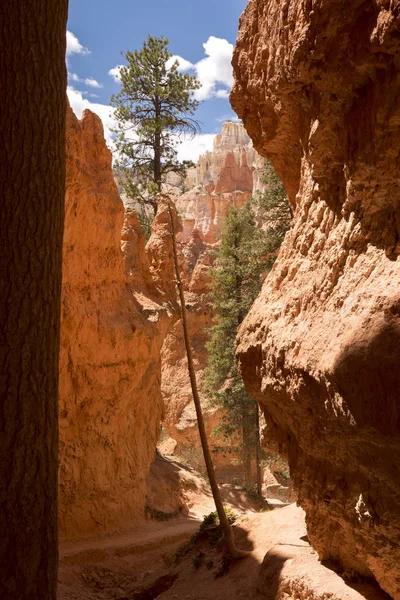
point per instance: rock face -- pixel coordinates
(318, 89)
(221, 178)
(179, 419)
(114, 321)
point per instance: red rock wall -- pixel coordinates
(233, 138)
(113, 324)
(317, 86)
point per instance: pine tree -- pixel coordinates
(273, 213)
(249, 243)
(235, 284)
(153, 109)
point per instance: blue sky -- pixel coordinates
(200, 32)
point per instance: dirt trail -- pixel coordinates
(115, 565)
(137, 564)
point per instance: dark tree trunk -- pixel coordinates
(32, 182)
(157, 145)
(258, 452)
(247, 436)
(157, 161)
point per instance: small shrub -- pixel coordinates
(252, 493)
(209, 527)
(159, 515)
(213, 519)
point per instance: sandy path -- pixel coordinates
(281, 566)
(137, 563)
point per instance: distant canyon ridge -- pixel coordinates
(228, 175)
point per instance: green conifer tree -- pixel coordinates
(154, 107)
(235, 284)
(273, 213)
(250, 239)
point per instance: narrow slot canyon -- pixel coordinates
(287, 231)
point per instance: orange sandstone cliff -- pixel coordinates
(116, 313)
(317, 85)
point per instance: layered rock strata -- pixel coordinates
(318, 88)
(234, 139)
(116, 311)
(221, 178)
(204, 208)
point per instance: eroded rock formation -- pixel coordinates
(116, 311)
(318, 89)
(233, 138)
(221, 178)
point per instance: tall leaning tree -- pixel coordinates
(32, 182)
(153, 109)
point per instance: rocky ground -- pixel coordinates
(139, 563)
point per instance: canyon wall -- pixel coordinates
(227, 176)
(116, 312)
(317, 85)
(233, 138)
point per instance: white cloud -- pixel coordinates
(191, 148)
(89, 94)
(88, 81)
(105, 112)
(230, 117)
(212, 70)
(183, 64)
(222, 93)
(215, 68)
(114, 73)
(93, 83)
(74, 46)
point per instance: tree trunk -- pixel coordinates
(157, 164)
(258, 452)
(226, 528)
(247, 437)
(32, 182)
(157, 148)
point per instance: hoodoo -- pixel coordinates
(317, 86)
(221, 178)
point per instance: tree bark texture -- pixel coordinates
(258, 452)
(32, 187)
(247, 437)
